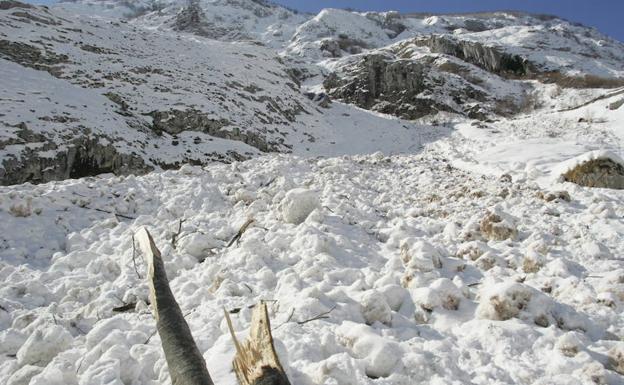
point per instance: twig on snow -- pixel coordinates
(175, 237)
(320, 316)
(110, 212)
(240, 232)
(136, 269)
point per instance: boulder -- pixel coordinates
(597, 169)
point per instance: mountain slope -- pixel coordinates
(199, 81)
(412, 223)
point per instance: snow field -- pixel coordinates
(388, 277)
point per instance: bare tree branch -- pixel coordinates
(318, 317)
(240, 232)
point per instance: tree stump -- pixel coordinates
(186, 364)
(256, 362)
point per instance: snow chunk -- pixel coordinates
(244, 195)
(11, 340)
(569, 344)
(102, 329)
(23, 375)
(508, 300)
(297, 204)
(420, 255)
(380, 355)
(532, 262)
(395, 295)
(441, 293)
(616, 358)
(43, 345)
(596, 250)
(340, 368)
(498, 226)
(472, 250)
(199, 245)
(375, 308)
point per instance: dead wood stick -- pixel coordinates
(109, 212)
(175, 237)
(317, 317)
(186, 364)
(240, 232)
(256, 362)
(136, 269)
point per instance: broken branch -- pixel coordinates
(318, 317)
(186, 364)
(109, 212)
(240, 232)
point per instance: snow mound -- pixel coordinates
(507, 300)
(498, 226)
(297, 204)
(43, 345)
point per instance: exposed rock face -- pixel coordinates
(617, 104)
(409, 89)
(31, 56)
(172, 98)
(9, 4)
(82, 157)
(192, 19)
(335, 46)
(177, 121)
(391, 22)
(488, 58)
(602, 172)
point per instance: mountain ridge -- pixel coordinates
(168, 86)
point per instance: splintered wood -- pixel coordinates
(256, 362)
(185, 362)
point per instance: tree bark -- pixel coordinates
(186, 364)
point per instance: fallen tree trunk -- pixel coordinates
(185, 362)
(256, 362)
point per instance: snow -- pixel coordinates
(348, 261)
(43, 345)
(389, 251)
(297, 204)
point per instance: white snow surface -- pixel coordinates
(373, 229)
(384, 253)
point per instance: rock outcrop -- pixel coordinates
(81, 157)
(31, 56)
(601, 172)
(9, 4)
(412, 88)
(489, 58)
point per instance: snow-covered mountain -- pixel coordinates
(116, 86)
(419, 187)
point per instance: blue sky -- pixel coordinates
(606, 15)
